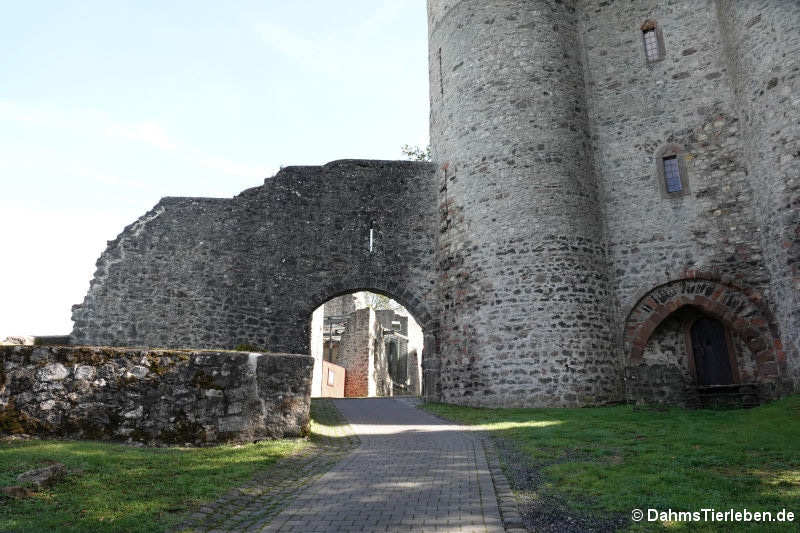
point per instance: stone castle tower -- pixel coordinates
(523, 271)
(552, 124)
(612, 214)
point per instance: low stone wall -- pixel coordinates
(153, 396)
(657, 384)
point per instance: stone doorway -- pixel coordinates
(711, 352)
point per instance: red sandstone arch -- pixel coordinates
(739, 309)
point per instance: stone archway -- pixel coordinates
(741, 313)
(249, 270)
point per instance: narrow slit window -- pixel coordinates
(653, 43)
(672, 174)
(441, 77)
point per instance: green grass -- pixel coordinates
(119, 488)
(615, 459)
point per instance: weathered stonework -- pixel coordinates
(153, 396)
(530, 249)
(362, 355)
(523, 283)
(761, 40)
(213, 273)
(548, 127)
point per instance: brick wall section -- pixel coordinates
(153, 396)
(353, 354)
(214, 273)
(363, 356)
(356, 351)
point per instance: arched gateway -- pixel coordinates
(215, 273)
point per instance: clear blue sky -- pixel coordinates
(106, 106)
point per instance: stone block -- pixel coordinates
(52, 372)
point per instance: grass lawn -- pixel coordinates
(610, 460)
(120, 488)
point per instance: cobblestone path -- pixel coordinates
(412, 472)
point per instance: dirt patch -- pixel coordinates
(544, 512)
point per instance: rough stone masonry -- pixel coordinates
(153, 396)
(544, 252)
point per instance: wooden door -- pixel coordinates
(711, 357)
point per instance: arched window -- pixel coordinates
(672, 174)
(671, 171)
(653, 41)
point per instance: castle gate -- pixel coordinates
(217, 273)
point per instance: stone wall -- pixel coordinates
(709, 99)
(153, 396)
(215, 273)
(380, 381)
(548, 124)
(363, 356)
(414, 372)
(341, 305)
(762, 45)
(416, 345)
(639, 107)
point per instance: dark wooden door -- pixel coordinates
(711, 359)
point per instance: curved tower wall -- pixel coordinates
(762, 39)
(521, 264)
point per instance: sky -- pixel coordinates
(105, 107)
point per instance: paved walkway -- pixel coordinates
(412, 472)
(253, 505)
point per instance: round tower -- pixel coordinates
(521, 263)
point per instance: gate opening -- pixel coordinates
(365, 344)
